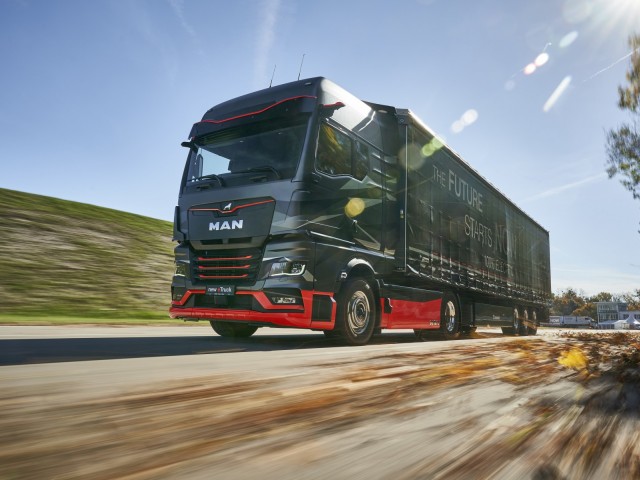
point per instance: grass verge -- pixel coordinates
(66, 320)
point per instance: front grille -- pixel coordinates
(233, 267)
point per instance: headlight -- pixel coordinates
(287, 268)
(182, 269)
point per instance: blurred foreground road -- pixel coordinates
(181, 402)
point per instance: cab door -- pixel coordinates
(350, 199)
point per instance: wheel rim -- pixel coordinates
(358, 313)
(450, 316)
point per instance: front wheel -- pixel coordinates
(422, 335)
(232, 330)
(356, 315)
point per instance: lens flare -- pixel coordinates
(529, 69)
(557, 93)
(457, 126)
(541, 59)
(568, 39)
(576, 11)
(469, 117)
(432, 147)
(354, 207)
(412, 154)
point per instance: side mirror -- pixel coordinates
(327, 110)
(190, 146)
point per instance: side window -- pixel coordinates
(334, 152)
(361, 161)
(338, 154)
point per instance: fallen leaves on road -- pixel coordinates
(556, 407)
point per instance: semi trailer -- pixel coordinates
(303, 206)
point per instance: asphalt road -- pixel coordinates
(45, 344)
(181, 402)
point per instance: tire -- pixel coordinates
(469, 331)
(524, 329)
(518, 327)
(232, 330)
(422, 335)
(449, 317)
(534, 321)
(517, 324)
(356, 315)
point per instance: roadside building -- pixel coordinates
(610, 311)
(627, 320)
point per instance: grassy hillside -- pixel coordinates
(71, 259)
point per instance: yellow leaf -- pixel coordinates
(574, 359)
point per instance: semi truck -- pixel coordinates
(302, 206)
(571, 321)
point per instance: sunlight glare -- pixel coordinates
(457, 126)
(557, 93)
(469, 117)
(577, 11)
(541, 59)
(354, 207)
(568, 39)
(529, 69)
(413, 155)
(432, 147)
(607, 16)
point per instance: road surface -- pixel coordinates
(181, 402)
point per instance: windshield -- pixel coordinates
(258, 152)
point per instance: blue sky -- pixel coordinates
(96, 96)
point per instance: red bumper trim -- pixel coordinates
(295, 316)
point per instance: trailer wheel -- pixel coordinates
(534, 321)
(356, 315)
(515, 329)
(524, 324)
(232, 330)
(517, 326)
(449, 317)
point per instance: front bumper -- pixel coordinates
(314, 310)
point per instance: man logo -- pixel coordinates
(233, 225)
(227, 207)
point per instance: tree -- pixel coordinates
(623, 144)
(602, 297)
(589, 309)
(566, 302)
(570, 302)
(632, 300)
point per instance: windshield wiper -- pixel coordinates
(211, 176)
(262, 168)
